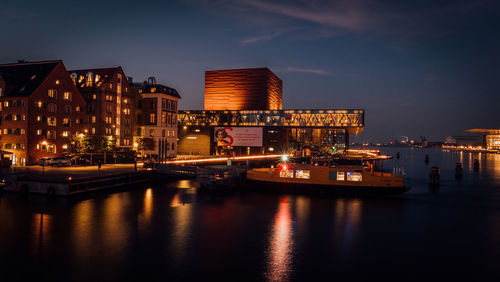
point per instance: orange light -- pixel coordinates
(284, 167)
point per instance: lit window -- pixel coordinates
(51, 121)
(304, 174)
(65, 146)
(151, 132)
(286, 173)
(66, 122)
(38, 132)
(93, 119)
(51, 134)
(67, 96)
(152, 118)
(52, 93)
(58, 82)
(40, 104)
(6, 104)
(23, 131)
(88, 81)
(125, 101)
(38, 146)
(94, 97)
(354, 176)
(93, 130)
(77, 108)
(65, 133)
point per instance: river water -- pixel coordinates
(171, 232)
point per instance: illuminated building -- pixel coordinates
(265, 131)
(110, 102)
(40, 109)
(491, 137)
(242, 89)
(156, 133)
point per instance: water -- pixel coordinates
(160, 233)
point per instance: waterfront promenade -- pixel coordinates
(75, 172)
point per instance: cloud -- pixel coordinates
(261, 38)
(307, 70)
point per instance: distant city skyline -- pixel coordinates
(423, 68)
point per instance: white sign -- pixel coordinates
(238, 136)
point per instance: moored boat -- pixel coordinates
(328, 175)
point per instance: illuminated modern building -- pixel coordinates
(243, 115)
(266, 131)
(242, 89)
(110, 102)
(156, 133)
(491, 137)
(40, 109)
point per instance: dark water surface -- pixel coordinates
(160, 233)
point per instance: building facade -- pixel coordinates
(110, 103)
(242, 89)
(40, 109)
(156, 134)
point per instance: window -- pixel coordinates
(51, 149)
(163, 133)
(93, 119)
(125, 101)
(6, 104)
(51, 134)
(58, 81)
(77, 108)
(94, 97)
(354, 176)
(163, 118)
(151, 132)
(52, 108)
(77, 121)
(173, 146)
(152, 118)
(67, 96)
(51, 121)
(109, 120)
(93, 130)
(66, 122)
(126, 111)
(39, 104)
(88, 80)
(23, 131)
(65, 133)
(1, 92)
(38, 118)
(38, 132)
(287, 173)
(304, 174)
(337, 175)
(108, 131)
(52, 93)
(67, 109)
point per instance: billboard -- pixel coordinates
(238, 136)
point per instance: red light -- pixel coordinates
(284, 167)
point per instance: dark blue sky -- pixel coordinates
(418, 68)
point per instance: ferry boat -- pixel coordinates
(347, 176)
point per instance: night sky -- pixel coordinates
(426, 68)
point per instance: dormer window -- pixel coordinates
(89, 79)
(73, 77)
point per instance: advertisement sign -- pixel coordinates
(238, 136)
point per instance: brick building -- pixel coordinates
(242, 89)
(110, 103)
(156, 120)
(40, 109)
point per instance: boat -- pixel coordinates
(354, 175)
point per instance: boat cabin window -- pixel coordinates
(304, 174)
(286, 173)
(354, 176)
(337, 175)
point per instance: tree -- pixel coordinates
(145, 143)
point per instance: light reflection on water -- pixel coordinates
(280, 244)
(41, 224)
